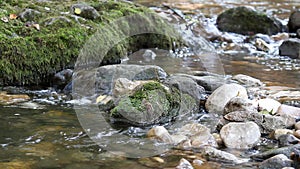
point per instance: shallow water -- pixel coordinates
(52, 137)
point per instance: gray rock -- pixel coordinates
(220, 97)
(290, 48)
(283, 150)
(240, 135)
(184, 164)
(277, 162)
(247, 80)
(239, 104)
(266, 122)
(86, 11)
(215, 154)
(186, 85)
(287, 139)
(101, 80)
(62, 78)
(210, 83)
(247, 21)
(29, 15)
(294, 21)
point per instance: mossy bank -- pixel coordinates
(39, 38)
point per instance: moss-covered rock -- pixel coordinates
(47, 36)
(247, 21)
(152, 103)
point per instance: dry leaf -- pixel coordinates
(36, 26)
(77, 11)
(13, 16)
(4, 19)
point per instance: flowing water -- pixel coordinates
(47, 134)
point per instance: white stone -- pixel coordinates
(240, 135)
(218, 99)
(269, 105)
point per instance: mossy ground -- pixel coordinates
(29, 56)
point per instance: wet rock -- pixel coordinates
(247, 21)
(85, 11)
(186, 85)
(239, 104)
(215, 154)
(101, 80)
(298, 33)
(160, 133)
(240, 135)
(6, 99)
(262, 45)
(290, 48)
(290, 111)
(247, 80)
(29, 15)
(268, 105)
(150, 103)
(219, 98)
(210, 82)
(62, 78)
(287, 139)
(277, 162)
(184, 164)
(287, 151)
(279, 132)
(294, 21)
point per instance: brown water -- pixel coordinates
(51, 137)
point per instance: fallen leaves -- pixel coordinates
(77, 11)
(13, 16)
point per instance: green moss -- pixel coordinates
(30, 56)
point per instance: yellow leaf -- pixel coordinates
(36, 26)
(13, 16)
(77, 11)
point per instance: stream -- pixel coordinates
(45, 132)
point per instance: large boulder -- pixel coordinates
(240, 135)
(50, 35)
(221, 96)
(294, 21)
(290, 48)
(247, 21)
